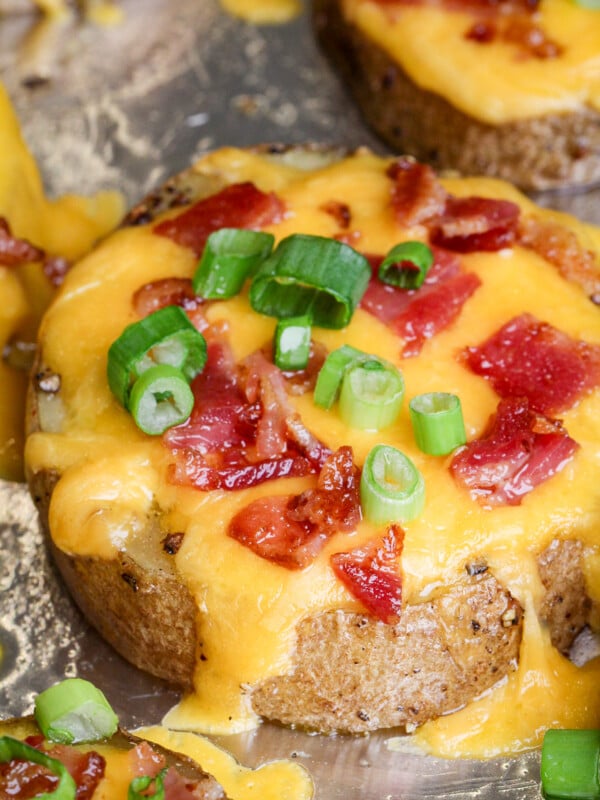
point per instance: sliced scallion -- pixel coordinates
(570, 764)
(73, 711)
(438, 423)
(66, 788)
(292, 343)
(331, 373)
(165, 337)
(391, 488)
(138, 788)
(371, 394)
(230, 256)
(314, 276)
(406, 265)
(160, 398)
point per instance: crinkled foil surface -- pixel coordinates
(127, 106)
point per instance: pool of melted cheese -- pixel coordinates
(113, 474)
(490, 82)
(68, 227)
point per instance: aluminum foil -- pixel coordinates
(126, 106)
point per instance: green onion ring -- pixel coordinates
(391, 488)
(14, 749)
(438, 423)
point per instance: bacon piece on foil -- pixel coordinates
(532, 359)
(242, 430)
(239, 205)
(561, 248)
(372, 574)
(290, 530)
(520, 450)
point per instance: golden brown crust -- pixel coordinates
(422, 123)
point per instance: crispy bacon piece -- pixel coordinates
(520, 450)
(532, 359)
(339, 211)
(24, 779)
(561, 248)
(290, 530)
(418, 314)
(372, 574)
(15, 251)
(417, 194)
(55, 269)
(239, 205)
(471, 224)
(242, 431)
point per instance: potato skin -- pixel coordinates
(350, 672)
(424, 124)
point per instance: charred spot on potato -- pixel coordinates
(172, 542)
(48, 381)
(476, 567)
(131, 580)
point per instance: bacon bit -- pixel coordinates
(166, 292)
(418, 314)
(144, 760)
(15, 251)
(371, 574)
(519, 29)
(290, 530)
(417, 194)
(300, 381)
(519, 451)
(433, 310)
(562, 249)
(470, 224)
(339, 211)
(24, 779)
(179, 788)
(482, 32)
(240, 205)
(55, 269)
(532, 359)
(242, 431)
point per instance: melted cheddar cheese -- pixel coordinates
(113, 475)
(271, 781)
(66, 227)
(490, 82)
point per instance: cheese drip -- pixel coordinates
(248, 606)
(66, 227)
(490, 82)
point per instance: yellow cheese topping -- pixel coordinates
(66, 227)
(277, 780)
(113, 474)
(491, 82)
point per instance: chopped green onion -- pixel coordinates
(570, 763)
(138, 788)
(371, 394)
(406, 265)
(229, 257)
(292, 343)
(74, 711)
(314, 276)
(437, 422)
(160, 398)
(391, 488)
(66, 788)
(165, 337)
(331, 373)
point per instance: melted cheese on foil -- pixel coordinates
(249, 606)
(263, 12)
(67, 227)
(490, 82)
